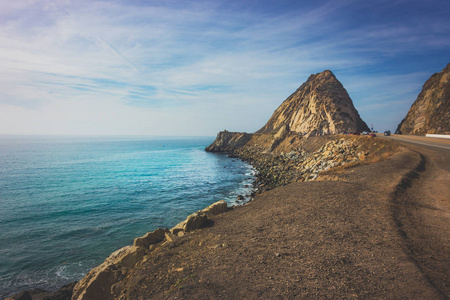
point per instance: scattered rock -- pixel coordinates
(277, 169)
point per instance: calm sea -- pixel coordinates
(67, 203)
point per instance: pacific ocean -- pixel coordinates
(66, 203)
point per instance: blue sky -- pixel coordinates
(197, 67)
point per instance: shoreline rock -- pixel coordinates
(286, 158)
(103, 281)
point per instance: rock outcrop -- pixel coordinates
(430, 113)
(321, 104)
(104, 281)
(229, 141)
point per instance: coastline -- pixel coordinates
(133, 201)
(307, 239)
(132, 255)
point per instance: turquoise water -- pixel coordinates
(67, 203)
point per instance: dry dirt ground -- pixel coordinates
(380, 231)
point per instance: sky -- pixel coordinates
(193, 68)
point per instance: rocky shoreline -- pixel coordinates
(306, 160)
(103, 281)
(286, 158)
(279, 169)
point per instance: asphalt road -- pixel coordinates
(421, 140)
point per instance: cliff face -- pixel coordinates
(229, 141)
(321, 104)
(430, 113)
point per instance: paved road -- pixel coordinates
(422, 140)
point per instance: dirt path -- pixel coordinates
(340, 240)
(422, 213)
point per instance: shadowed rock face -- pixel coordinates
(229, 141)
(431, 110)
(321, 104)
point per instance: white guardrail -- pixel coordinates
(439, 136)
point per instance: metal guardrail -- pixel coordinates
(439, 136)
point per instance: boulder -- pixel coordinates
(215, 208)
(98, 282)
(150, 238)
(192, 222)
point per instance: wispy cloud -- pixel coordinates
(212, 61)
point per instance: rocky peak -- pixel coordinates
(430, 113)
(321, 104)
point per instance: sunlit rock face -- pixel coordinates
(320, 105)
(430, 113)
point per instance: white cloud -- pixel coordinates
(104, 63)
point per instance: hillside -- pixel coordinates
(321, 104)
(430, 113)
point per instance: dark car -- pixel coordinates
(387, 133)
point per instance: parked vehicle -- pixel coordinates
(372, 135)
(387, 133)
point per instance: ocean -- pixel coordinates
(66, 203)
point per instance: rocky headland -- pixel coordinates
(301, 139)
(430, 113)
(323, 223)
(289, 148)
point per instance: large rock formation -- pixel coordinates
(321, 104)
(430, 113)
(229, 141)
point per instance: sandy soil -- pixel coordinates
(350, 238)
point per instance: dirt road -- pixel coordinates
(380, 231)
(423, 210)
